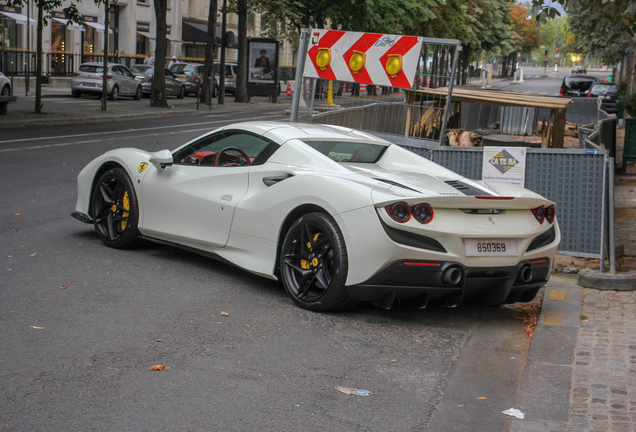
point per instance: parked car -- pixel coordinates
(230, 76)
(192, 76)
(88, 79)
(579, 70)
(577, 85)
(174, 87)
(607, 93)
(5, 85)
(140, 71)
(338, 215)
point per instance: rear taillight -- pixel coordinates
(109, 76)
(195, 80)
(539, 213)
(76, 74)
(149, 80)
(423, 213)
(550, 213)
(229, 76)
(561, 92)
(589, 95)
(401, 212)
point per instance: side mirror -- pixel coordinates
(162, 158)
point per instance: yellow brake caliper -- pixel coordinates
(126, 204)
(304, 263)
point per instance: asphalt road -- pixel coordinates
(82, 323)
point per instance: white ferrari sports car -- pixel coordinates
(338, 215)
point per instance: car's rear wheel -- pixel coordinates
(6, 90)
(314, 264)
(114, 94)
(138, 93)
(115, 209)
(181, 94)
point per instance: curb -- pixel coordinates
(605, 281)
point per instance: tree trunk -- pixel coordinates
(241, 70)
(210, 52)
(38, 58)
(158, 89)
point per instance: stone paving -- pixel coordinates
(604, 377)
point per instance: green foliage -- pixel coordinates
(629, 103)
(526, 34)
(621, 87)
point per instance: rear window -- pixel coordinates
(604, 88)
(347, 151)
(91, 69)
(579, 84)
(178, 68)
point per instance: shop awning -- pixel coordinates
(73, 26)
(146, 34)
(19, 18)
(198, 33)
(97, 26)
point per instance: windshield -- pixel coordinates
(140, 68)
(177, 68)
(347, 151)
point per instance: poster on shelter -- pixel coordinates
(262, 56)
(507, 164)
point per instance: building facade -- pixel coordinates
(131, 34)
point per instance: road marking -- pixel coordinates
(206, 129)
(130, 130)
(553, 318)
(558, 295)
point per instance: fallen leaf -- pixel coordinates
(17, 213)
(264, 337)
(247, 325)
(481, 398)
(225, 314)
(393, 361)
(571, 358)
(107, 273)
(520, 345)
(158, 340)
(37, 328)
(64, 286)
(157, 367)
(33, 254)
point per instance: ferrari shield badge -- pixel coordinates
(142, 167)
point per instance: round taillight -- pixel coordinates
(539, 213)
(423, 213)
(550, 213)
(399, 212)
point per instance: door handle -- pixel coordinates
(227, 197)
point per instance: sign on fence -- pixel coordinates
(507, 164)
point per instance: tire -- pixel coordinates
(138, 93)
(76, 93)
(114, 94)
(115, 209)
(313, 264)
(181, 94)
(6, 90)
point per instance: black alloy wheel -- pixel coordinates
(138, 93)
(114, 94)
(115, 209)
(181, 94)
(6, 90)
(313, 264)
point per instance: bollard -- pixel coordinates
(520, 75)
(483, 79)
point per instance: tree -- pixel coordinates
(526, 31)
(210, 51)
(45, 7)
(158, 88)
(241, 66)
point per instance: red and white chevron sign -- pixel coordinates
(369, 58)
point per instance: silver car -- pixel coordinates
(121, 81)
(142, 72)
(5, 85)
(192, 76)
(230, 76)
(174, 87)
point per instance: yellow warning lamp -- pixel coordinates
(357, 61)
(394, 65)
(323, 58)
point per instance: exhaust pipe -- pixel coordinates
(525, 274)
(452, 276)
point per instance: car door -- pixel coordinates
(129, 80)
(192, 202)
(171, 84)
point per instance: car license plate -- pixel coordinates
(491, 247)
(181, 78)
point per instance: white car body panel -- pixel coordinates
(231, 212)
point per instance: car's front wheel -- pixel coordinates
(6, 90)
(76, 93)
(314, 264)
(181, 94)
(115, 209)
(138, 93)
(114, 94)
